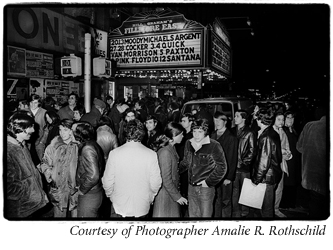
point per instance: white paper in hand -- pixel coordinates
(252, 195)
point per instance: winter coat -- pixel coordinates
(208, 163)
(90, 168)
(165, 204)
(59, 166)
(312, 143)
(106, 139)
(267, 165)
(229, 144)
(246, 148)
(24, 186)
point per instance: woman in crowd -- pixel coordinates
(293, 180)
(89, 172)
(286, 155)
(168, 200)
(51, 128)
(79, 111)
(25, 195)
(59, 166)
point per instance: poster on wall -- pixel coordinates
(58, 90)
(74, 88)
(39, 64)
(17, 89)
(36, 86)
(16, 61)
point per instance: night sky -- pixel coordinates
(290, 48)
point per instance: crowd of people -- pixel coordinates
(144, 159)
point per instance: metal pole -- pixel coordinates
(87, 72)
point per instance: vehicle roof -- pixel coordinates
(218, 99)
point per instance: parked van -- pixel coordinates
(227, 105)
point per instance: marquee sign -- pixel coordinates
(220, 54)
(164, 50)
(157, 39)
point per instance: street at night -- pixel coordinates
(159, 112)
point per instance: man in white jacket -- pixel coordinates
(132, 176)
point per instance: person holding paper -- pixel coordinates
(267, 168)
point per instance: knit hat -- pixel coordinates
(100, 103)
(122, 108)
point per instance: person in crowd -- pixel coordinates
(129, 114)
(153, 131)
(168, 200)
(106, 139)
(203, 113)
(266, 167)
(229, 143)
(57, 106)
(24, 189)
(293, 180)
(35, 102)
(23, 105)
(131, 184)
(174, 113)
(95, 114)
(204, 158)
(59, 166)
(278, 122)
(89, 172)
(141, 109)
(48, 104)
(79, 111)
(50, 130)
(160, 112)
(186, 122)
(246, 153)
(67, 112)
(109, 101)
(312, 144)
(116, 114)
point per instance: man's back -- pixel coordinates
(132, 179)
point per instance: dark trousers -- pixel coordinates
(239, 210)
(318, 206)
(223, 201)
(89, 204)
(183, 179)
(267, 209)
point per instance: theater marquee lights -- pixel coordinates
(156, 40)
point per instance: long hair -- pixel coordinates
(18, 123)
(172, 129)
(265, 116)
(54, 117)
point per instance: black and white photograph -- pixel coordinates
(177, 122)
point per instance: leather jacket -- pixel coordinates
(208, 163)
(266, 168)
(246, 148)
(90, 168)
